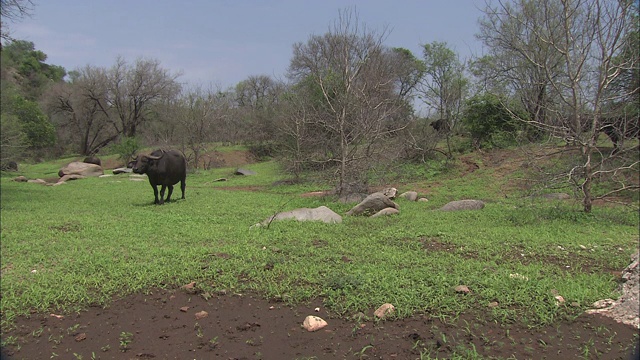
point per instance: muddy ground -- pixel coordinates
(163, 325)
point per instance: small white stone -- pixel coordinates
(384, 310)
(317, 309)
(313, 323)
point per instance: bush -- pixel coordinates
(489, 122)
(127, 148)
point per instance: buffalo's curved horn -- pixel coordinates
(155, 157)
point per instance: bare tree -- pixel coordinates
(81, 112)
(572, 47)
(354, 102)
(133, 89)
(13, 10)
(257, 100)
(199, 113)
(444, 86)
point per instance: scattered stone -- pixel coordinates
(122, 170)
(21, 179)
(37, 181)
(410, 195)
(385, 212)
(519, 277)
(244, 172)
(321, 213)
(463, 205)
(423, 200)
(201, 315)
(70, 177)
(462, 289)
(57, 316)
(372, 204)
(625, 309)
(384, 310)
(313, 323)
(184, 309)
(604, 303)
(493, 304)
(81, 336)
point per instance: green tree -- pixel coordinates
(444, 85)
(486, 118)
(32, 74)
(39, 131)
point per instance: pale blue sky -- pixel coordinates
(223, 42)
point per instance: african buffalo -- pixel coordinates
(163, 167)
(440, 125)
(618, 129)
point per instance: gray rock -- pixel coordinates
(410, 195)
(70, 177)
(122, 170)
(463, 205)
(372, 204)
(80, 168)
(321, 213)
(245, 172)
(385, 212)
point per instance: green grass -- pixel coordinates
(90, 240)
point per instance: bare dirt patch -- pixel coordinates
(162, 324)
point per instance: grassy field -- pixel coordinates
(88, 241)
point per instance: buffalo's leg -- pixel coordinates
(183, 186)
(155, 194)
(169, 194)
(162, 190)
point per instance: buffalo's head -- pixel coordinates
(142, 163)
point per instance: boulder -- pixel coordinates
(321, 213)
(410, 195)
(81, 168)
(20, 179)
(122, 170)
(390, 192)
(245, 172)
(92, 160)
(385, 212)
(463, 205)
(70, 177)
(372, 204)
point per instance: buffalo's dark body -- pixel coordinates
(618, 129)
(165, 168)
(441, 125)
